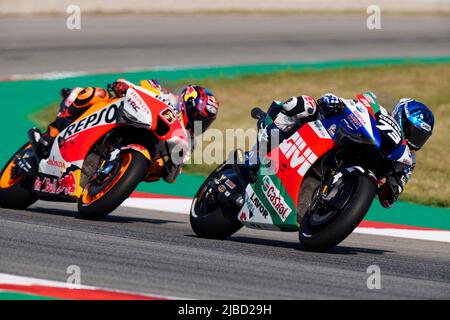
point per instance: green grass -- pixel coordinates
(22, 296)
(427, 83)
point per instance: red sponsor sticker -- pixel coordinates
(67, 184)
(52, 185)
(230, 184)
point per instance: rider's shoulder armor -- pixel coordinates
(390, 132)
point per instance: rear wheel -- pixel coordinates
(104, 194)
(210, 218)
(15, 190)
(322, 227)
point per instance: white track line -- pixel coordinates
(28, 281)
(431, 235)
(182, 206)
(64, 74)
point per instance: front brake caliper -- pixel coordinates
(226, 191)
(106, 166)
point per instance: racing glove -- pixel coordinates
(390, 190)
(65, 92)
(330, 104)
(293, 110)
(119, 87)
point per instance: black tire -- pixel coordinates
(122, 189)
(342, 225)
(18, 196)
(219, 223)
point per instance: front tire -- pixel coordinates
(325, 237)
(15, 191)
(213, 220)
(100, 199)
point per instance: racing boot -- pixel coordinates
(248, 160)
(252, 164)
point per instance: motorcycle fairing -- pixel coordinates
(360, 119)
(57, 176)
(292, 159)
(60, 174)
(136, 108)
(80, 136)
(271, 202)
(164, 115)
(369, 101)
(254, 213)
(66, 185)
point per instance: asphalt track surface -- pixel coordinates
(153, 252)
(44, 44)
(157, 253)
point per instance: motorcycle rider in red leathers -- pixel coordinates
(194, 104)
(414, 118)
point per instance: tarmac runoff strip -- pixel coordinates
(24, 288)
(182, 205)
(14, 287)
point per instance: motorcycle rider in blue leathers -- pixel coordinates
(414, 118)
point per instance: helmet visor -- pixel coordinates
(416, 137)
(198, 122)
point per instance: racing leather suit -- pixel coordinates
(288, 116)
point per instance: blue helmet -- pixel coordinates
(416, 121)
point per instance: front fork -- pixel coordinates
(27, 161)
(329, 193)
(225, 191)
(107, 165)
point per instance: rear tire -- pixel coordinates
(219, 223)
(342, 225)
(15, 193)
(92, 208)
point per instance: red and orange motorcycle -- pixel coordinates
(99, 159)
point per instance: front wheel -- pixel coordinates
(210, 218)
(15, 190)
(103, 195)
(321, 229)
